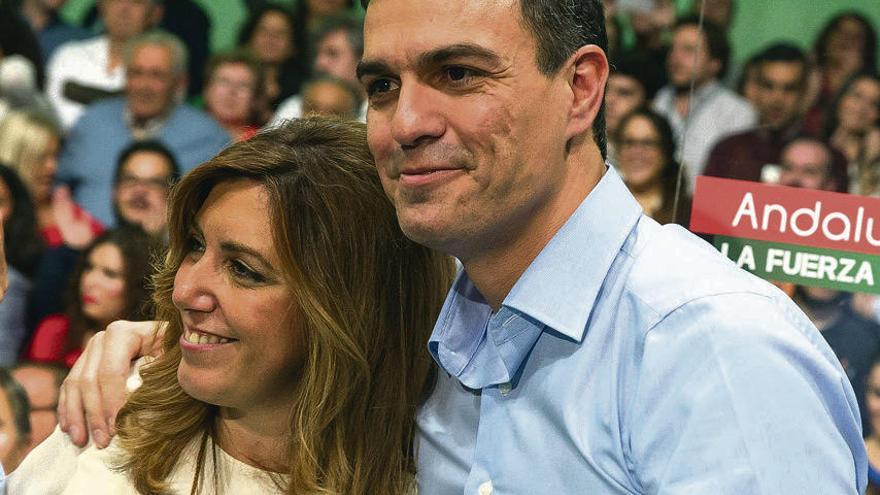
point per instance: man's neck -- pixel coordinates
(494, 271)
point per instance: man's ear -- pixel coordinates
(587, 70)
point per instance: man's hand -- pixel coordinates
(94, 390)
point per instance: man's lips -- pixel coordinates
(421, 176)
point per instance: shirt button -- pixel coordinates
(486, 488)
(504, 388)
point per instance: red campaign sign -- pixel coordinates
(804, 217)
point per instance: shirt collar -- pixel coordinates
(558, 290)
(560, 287)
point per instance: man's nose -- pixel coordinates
(418, 115)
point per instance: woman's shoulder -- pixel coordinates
(59, 466)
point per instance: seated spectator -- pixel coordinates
(778, 93)
(853, 125)
(872, 435)
(156, 65)
(41, 382)
(50, 29)
(340, 45)
(22, 247)
(82, 72)
(651, 29)
(623, 94)
(144, 175)
(712, 112)
(327, 95)
(29, 143)
(15, 427)
(234, 93)
(645, 160)
(314, 13)
(847, 45)
(271, 33)
(110, 283)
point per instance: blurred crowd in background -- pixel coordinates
(97, 122)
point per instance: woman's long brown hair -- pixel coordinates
(365, 296)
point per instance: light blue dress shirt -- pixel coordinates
(632, 358)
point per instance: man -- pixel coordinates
(82, 72)
(854, 337)
(780, 84)
(584, 348)
(144, 175)
(339, 47)
(42, 382)
(156, 82)
(50, 29)
(712, 112)
(326, 95)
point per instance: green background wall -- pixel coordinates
(756, 23)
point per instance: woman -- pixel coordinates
(278, 41)
(234, 93)
(853, 127)
(645, 148)
(30, 143)
(293, 360)
(110, 283)
(847, 45)
(23, 248)
(15, 426)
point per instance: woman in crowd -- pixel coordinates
(278, 41)
(645, 158)
(15, 426)
(109, 283)
(846, 45)
(30, 143)
(234, 93)
(23, 248)
(853, 127)
(293, 359)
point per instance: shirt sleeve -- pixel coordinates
(739, 394)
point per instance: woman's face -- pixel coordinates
(271, 40)
(860, 106)
(43, 175)
(102, 285)
(239, 346)
(872, 398)
(640, 156)
(11, 446)
(846, 43)
(230, 93)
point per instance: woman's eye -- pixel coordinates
(240, 270)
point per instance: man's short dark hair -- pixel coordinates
(560, 28)
(785, 53)
(716, 40)
(150, 146)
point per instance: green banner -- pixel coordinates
(832, 269)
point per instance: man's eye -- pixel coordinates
(457, 73)
(380, 86)
(194, 245)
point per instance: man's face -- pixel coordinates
(806, 164)
(141, 196)
(623, 95)
(151, 82)
(125, 19)
(467, 134)
(778, 93)
(336, 57)
(329, 98)
(689, 57)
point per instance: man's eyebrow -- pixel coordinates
(433, 58)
